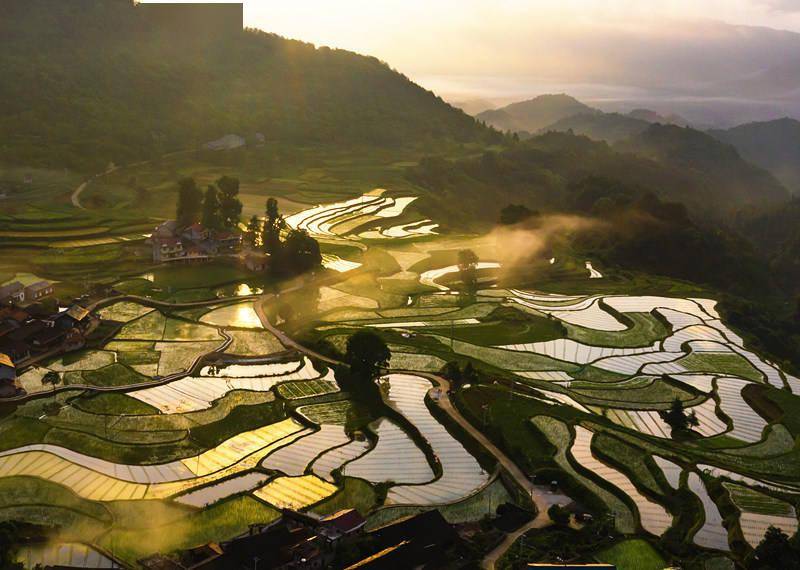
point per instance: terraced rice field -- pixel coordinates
(462, 475)
(759, 511)
(558, 435)
(370, 210)
(295, 492)
(430, 277)
(336, 457)
(210, 494)
(242, 315)
(295, 458)
(672, 472)
(395, 458)
(67, 555)
(653, 517)
(100, 480)
(712, 534)
(191, 394)
(747, 425)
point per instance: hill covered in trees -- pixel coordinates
(535, 114)
(773, 145)
(677, 165)
(94, 81)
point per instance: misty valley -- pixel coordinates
(271, 304)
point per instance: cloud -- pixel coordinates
(785, 6)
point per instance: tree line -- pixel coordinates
(219, 208)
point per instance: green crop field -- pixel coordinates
(634, 554)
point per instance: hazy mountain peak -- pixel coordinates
(535, 114)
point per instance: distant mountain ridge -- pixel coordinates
(535, 114)
(773, 145)
(717, 166)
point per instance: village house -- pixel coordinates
(195, 243)
(23, 337)
(38, 291)
(8, 377)
(12, 293)
(228, 142)
(17, 294)
(342, 524)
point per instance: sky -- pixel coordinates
(497, 48)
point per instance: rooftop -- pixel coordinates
(5, 360)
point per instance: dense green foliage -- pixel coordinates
(678, 419)
(773, 145)
(716, 168)
(111, 85)
(366, 355)
(777, 551)
(610, 127)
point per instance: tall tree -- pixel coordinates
(230, 205)
(516, 213)
(468, 269)
(273, 225)
(776, 551)
(190, 200)
(677, 418)
(255, 231)
(300, 253)
(212, 217)
(53, 379)
(366, 354)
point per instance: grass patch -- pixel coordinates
(721, 363)
(635, 554)
(354, 494)
(305, 389)
(644, 331)
(240, 419)
(113, 405)
(219, 522)
(114, 375)
(751, 501)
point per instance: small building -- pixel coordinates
(7, 369)
(16, 350)
(196, 232)
(227, 240)
(167, 249)
(39, 290)
(8, 377)
(11, 318)
(12, 293)
(344, 523)
(228, 142)
(168, 229)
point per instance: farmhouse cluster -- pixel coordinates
(195, 243)
(19, 294)
(26, 338)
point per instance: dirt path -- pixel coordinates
(75, 198)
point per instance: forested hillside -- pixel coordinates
(535, 114)
(94, 83)
(774, 145)
(713, 181)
